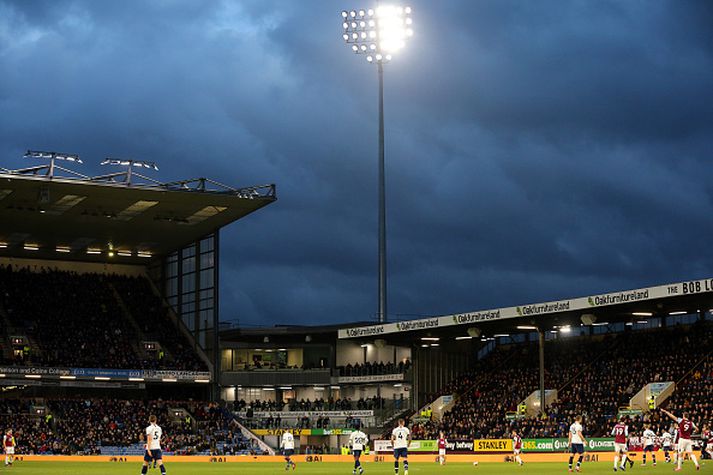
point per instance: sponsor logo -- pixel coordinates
(538, 309)
(601, 444)
(417, 325)
(474, 317)
(621, 297)
(365, 331)
(494, 445)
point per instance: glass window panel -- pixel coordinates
(207, 280)
(206, 319)
(207, 244)
(189, 319)
(207, 260)
(188, 252)
(172, 269)
(189, 283)
(189, 265)
(172, 287)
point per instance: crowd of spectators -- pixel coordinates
(594, 377)
(89, 426)
(77, 320)
(372, 369)
(331, 404)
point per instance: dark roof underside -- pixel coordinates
(85, 217)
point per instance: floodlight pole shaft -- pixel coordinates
(382, 201)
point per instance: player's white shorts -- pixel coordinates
(10, 450)
(620, 448)
(441, 451)
(516, 451)
(685, 445)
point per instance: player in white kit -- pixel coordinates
(649, 439)
(153, 446)
(288, 449)
(400, 439)
(576, 443)
(666, 440)
(357, 441)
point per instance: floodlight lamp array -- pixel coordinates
(377, 33)
(130, 163)
(68, 157)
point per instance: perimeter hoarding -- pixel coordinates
(533, 310)
(561, 445)
(485, 446)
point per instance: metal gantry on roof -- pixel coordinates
(49, 209)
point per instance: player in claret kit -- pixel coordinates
(621, 440)
(288, 449)
(517, 447)
(401, 439)
(357, 441)
(442, 443)
(649, 438)
(8, 443)
(576, 443)
(666, 440)
(153, 447)
(685, 432)
(707, 437)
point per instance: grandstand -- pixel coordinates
(109, 309)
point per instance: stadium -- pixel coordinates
(116, 357)
(109, 307)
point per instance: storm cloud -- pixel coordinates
(535, 150)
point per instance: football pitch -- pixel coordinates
(69, 468)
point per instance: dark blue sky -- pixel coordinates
(535, 150)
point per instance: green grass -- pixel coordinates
(67, 468)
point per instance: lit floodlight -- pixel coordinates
(387, 28)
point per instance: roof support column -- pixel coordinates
(541, 335)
